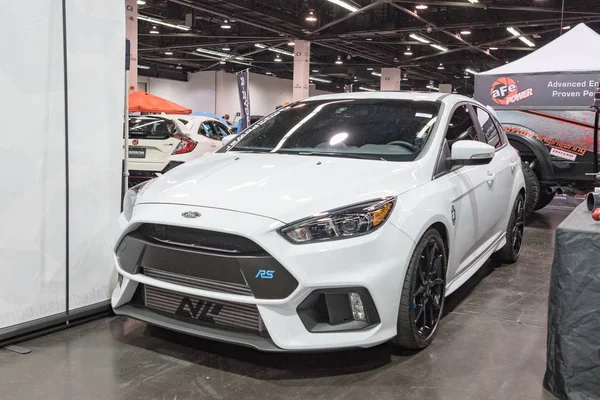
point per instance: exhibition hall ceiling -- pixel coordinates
(432, 42)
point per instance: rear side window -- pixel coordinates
(489, 128)
(221, 129)
(144, 127)
(209, 131)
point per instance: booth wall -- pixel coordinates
(216, 92)
(34, 270)
(32, 154)
(95, 37)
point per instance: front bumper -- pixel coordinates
(375, 262)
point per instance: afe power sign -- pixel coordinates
(537, 90)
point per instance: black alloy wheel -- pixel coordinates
(423, 292)
(429, 289)
(518, 226)
(514, 233)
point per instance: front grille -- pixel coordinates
(198, 283)
(200, 239)
(204, 311)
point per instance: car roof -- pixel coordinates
(448, 98)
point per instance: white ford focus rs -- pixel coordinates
(339, 221)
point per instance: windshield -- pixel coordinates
(151, 127)
(381, 129)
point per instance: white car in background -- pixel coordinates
(159, 143)
(338, 221)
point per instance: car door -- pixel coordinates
(470, 196)
(503, 168)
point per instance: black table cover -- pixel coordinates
(573, 344)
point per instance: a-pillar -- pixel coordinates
(390, 79)
(131, 33)
(301, 70)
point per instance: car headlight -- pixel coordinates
(356, 220)
(131, 197)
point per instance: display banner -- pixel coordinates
(567, 89)
(301, 70)
(597, 98)
(243, 89)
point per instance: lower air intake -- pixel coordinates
(204, 311)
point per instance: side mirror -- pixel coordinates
(470, 152)
(228, 139)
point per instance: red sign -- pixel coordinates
(135, 142)
(505, 91)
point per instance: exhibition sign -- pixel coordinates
(242, 78)
(569, 89)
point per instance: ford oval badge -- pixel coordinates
(191, 214)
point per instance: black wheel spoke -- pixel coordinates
(437, 281)
(419, 292)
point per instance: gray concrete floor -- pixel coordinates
(490, 345)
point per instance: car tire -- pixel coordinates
(514, 233)
(532, 189)
(545, 199)
(422, 303)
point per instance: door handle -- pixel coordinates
(491, 177)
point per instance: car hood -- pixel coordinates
(281, 186)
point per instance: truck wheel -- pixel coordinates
(532, 188)
(545, 199)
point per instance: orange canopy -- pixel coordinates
(148, 103)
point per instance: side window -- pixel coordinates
(489, 128)
(461, 126)
(221, 130)
(208, 131)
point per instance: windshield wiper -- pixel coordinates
(345, 155)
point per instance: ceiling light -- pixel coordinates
(221, 62)
(527, 41)
(439, 47)
(421, 7)
(369, 39)
(226, 48)
(405, 78)
(339, 60)
(465, 32)
(367, 89)
(311, 17)
(473, 1)
(141, 2)
(154, 30)
(312, 78)
(291, 43)
(566, 28)
(342, 3)
(213, 52)
(143, 66)
(315, 71)
(467, 76)
(419, 38)
(493, 48)
(178, 66)
(441, 66)
(408, 52)
(243, 58)
(369, 69)
(277, 58)
(514, 31)
(226, 25)
(280, 51)
(375, 73)
(159, 22)
(470, 71)
(269, 73)
(260, 46)
(168, 53)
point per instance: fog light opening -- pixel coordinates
(356, 304)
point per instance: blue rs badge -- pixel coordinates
(265, 274)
